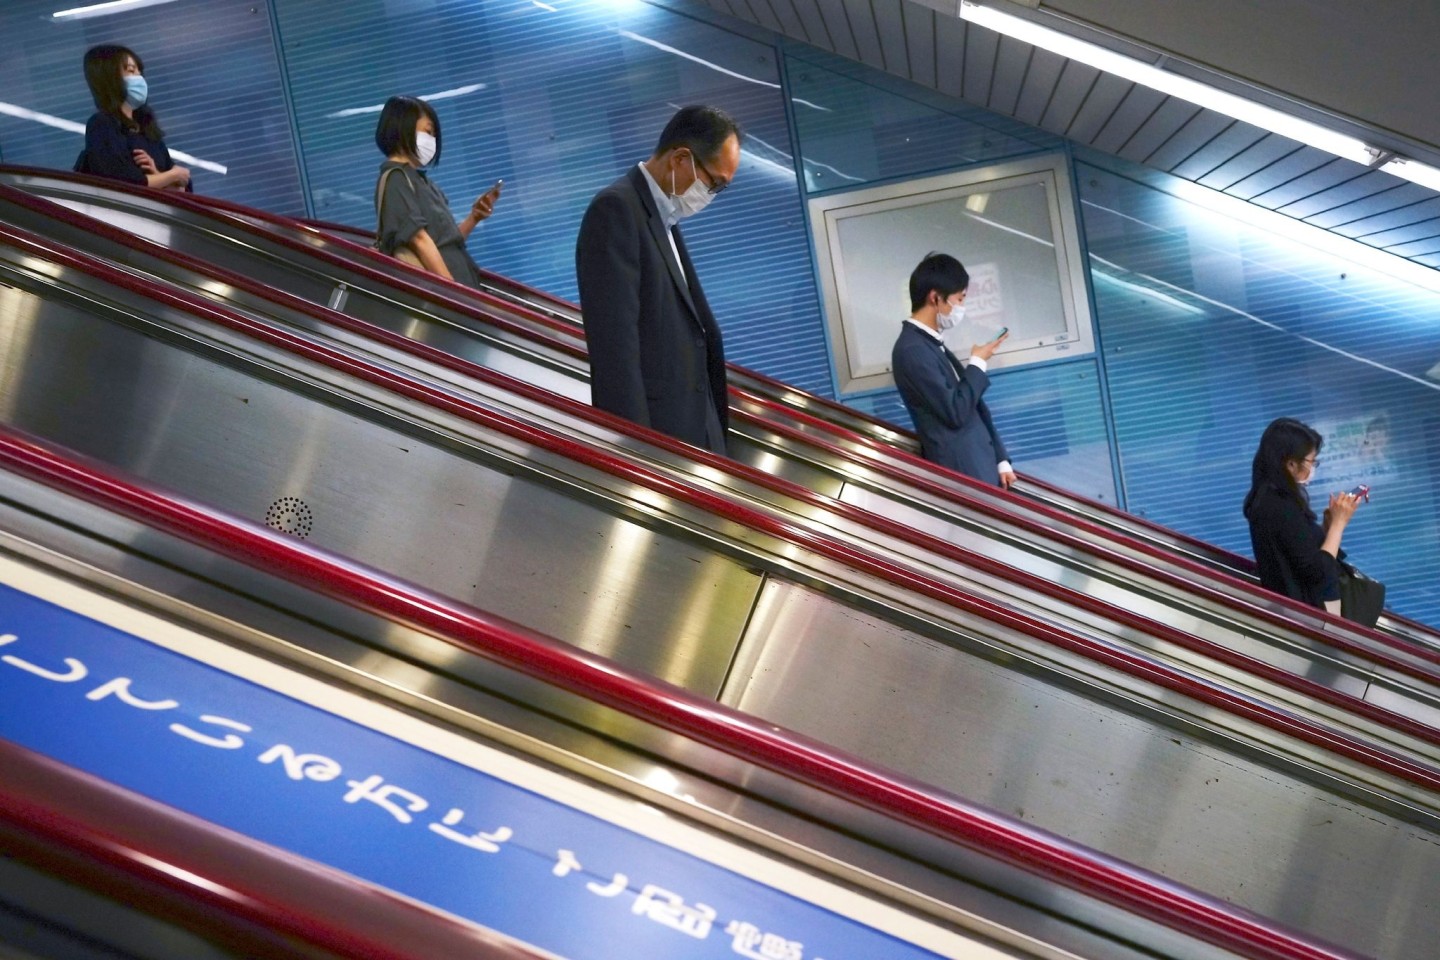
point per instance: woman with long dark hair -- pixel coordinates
(414, 221)
(1297, 554)
(123, 140)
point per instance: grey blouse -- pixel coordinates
(412, 203)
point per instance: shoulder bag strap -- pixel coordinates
(380, 199)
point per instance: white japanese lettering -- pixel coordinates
(304, 766)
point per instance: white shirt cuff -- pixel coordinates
(1004, 467)
(977, 362)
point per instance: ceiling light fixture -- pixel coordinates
(1191, 91)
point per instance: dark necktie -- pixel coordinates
(954, 361)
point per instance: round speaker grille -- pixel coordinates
(290, 515)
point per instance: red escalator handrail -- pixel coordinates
(373, 266)
(247, 895)
(209, 206)
(655, 702)
(824, 545)
(1225, 586)
(1215, 594)
(200, 204)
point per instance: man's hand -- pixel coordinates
(987, 350)
(1007, 478)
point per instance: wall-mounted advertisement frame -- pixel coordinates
(1012, 224)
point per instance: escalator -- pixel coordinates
(1020, 559)
(229, 743)
(774, 428)
(763, 612)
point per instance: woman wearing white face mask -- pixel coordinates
(945, 395)
(123, 139)
(414, 222)
(1298, 556)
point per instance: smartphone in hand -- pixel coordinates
(1003, 331)
(1361, 493)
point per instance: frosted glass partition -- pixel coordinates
(1013, 227)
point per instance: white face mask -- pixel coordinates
(944, 321)
(693, 200)
(424, 148)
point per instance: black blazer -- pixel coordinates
(656, 353)
(1287, 548)
(945, 402)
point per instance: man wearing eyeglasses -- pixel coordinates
(656, 354)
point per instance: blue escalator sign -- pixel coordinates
(288, 773)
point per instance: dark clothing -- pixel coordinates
(945, 401)
(1286, 540)
(656, 354)
(413, 203)
(109, 151)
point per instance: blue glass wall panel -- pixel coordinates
(857, 125)
(215, 84)
(1213, 327)
(559, 99)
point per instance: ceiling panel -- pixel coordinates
(861, 16)
(1159, 127)
(813, 30)
(950, 34)
(890, 26)
(1261, 155)
(925, 42)
(1299, 162)
(920, 42)
(1041, 78)
(1099, 107)
(1137, 107)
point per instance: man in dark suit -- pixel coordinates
(943, 393)
(656, 354)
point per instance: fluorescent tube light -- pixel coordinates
(104, 9)
(1413, 171)
(1192, 91)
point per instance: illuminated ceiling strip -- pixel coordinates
(1267, 118)
(104, 9)
(70, 126)
(376, 108)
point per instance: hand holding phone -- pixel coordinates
(1361, 493)
(484, 204)
(1004, 332)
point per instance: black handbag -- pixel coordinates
(1361, 598)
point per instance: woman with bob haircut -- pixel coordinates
(123, 140)
(412, 215)
(1297, 556)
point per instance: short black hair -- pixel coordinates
(395, 132)
(103, 64)
(939, 272)
(703, 130)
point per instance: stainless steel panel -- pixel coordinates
(446, 510)
(1184, 807)
(776, 458)
(392, 497)
(815, 830)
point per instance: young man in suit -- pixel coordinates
(656, 354)
(943, 393)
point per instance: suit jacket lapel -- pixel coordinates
(661, 235)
